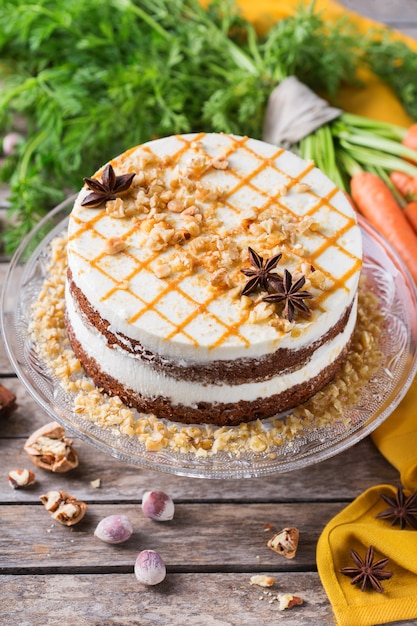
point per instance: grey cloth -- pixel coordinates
(294, 111)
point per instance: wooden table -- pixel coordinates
(51, 574)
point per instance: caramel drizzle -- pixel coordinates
(174, 284)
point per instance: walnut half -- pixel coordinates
(65, 509)
(285, 542)
(49, 449)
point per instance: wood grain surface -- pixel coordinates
(52, 575)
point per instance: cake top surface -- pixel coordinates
(160, 253)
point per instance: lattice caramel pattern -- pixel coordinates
(177, 267)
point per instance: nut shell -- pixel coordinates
(49, 449)
(20, 478)
(285, 542)
(64, 508)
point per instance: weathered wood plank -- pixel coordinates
(183, 599)
(201, 537)
(325, 481)
(401, 16)
(390, 12)
(186, 599)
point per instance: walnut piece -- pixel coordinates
(65, 509)
(301, 187)
(19, 478)
(285, 542)
(49, 449)
(262, 580)
(114, 245)
(287, 601)
(220, 163)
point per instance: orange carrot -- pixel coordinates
(405, 184)
(410, 138)
(376, 202)
(410, 211)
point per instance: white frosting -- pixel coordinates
(140, 377)
(182, 316)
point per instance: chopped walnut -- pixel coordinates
(191, 211)
(287, 601)
(180, 236)
(115, 245)
(285, 542)
(49, 449)
(283, 190)
(262, 581)
(207, 195)
(202, 243)
(269, 225)
(221, 278)
(193, 227)
(147, 159)
(245, 301)
(318, 280)
(115, 208)
(262, 312)
(220, 163)
(301, 187)
(175, 206)
(20, 478)
(281, 324)
(162, 270)
(65, 509)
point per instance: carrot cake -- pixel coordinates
(211, 278)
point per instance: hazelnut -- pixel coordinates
(158, 506)
(114, 529)
(20, 478)
(149, 567)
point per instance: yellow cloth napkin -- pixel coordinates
(396, 439)
(356, 527)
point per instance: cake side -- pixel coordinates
(234, 371)
(189, 401)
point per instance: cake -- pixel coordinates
(211, 278)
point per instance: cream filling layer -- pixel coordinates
(139, 377)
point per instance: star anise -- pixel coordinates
(284, 290)
(403, 509)
(260, 274)
(367, 573)
(107, 188)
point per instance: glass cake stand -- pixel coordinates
(386, 275)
